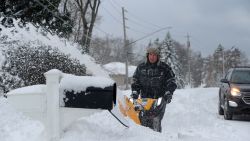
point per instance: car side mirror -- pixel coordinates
(224, 80)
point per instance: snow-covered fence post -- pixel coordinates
(52, 98)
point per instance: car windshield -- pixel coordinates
(241, 76)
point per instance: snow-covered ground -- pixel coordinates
(192, 116)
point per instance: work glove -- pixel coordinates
(134, 95)
(148, 114)
(168, 96)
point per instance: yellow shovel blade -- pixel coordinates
(129, 108)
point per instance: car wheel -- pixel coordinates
(220, 110)
(228, 115)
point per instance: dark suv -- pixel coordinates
(234, 93)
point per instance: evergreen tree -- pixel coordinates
(182, 53)
(197, 69)
(214, 65)
(219, 63)
(209, 72)
(236, 57)
(169, 56)
(155, 44)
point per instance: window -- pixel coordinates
(241, 76)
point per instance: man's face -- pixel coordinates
(152, 57)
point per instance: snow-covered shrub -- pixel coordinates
(8, 82)
(27, 51)
(26, 64)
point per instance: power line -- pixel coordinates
(144, 21)
(119, 5)
(102, 31)
(130, 20)
(45, 7)
(137, 31)
(70, 18)
(112, 15)
(120, 2)
(117, 9)
(150, 34)
(140, 24)
(131, 29)
(95, 26)
(135, 21)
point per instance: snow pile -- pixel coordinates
(80, 83)
(29, 90)
(191, 116)
(14, 126)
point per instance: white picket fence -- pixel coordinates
(43, 105)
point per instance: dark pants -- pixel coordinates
(153, 117)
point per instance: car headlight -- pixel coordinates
(235, 92)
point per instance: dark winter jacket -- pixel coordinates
(153, 80)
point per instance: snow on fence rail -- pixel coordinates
(61, 101)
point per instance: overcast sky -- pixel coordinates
(208, 22)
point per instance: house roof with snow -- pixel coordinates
(119, 68)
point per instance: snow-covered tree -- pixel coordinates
(155, 44)
(39, 12)
(111, 50)
(214, 64)
(182, 53)
(235, 57)
(209, 72)
(197, 69)
(219, 63)
(169, 56)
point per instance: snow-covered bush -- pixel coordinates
(8, 82)
(29, 63)
(27, 51)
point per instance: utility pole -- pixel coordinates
(125, 46)
(189, 59)
(223, 63)
(220, 50)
